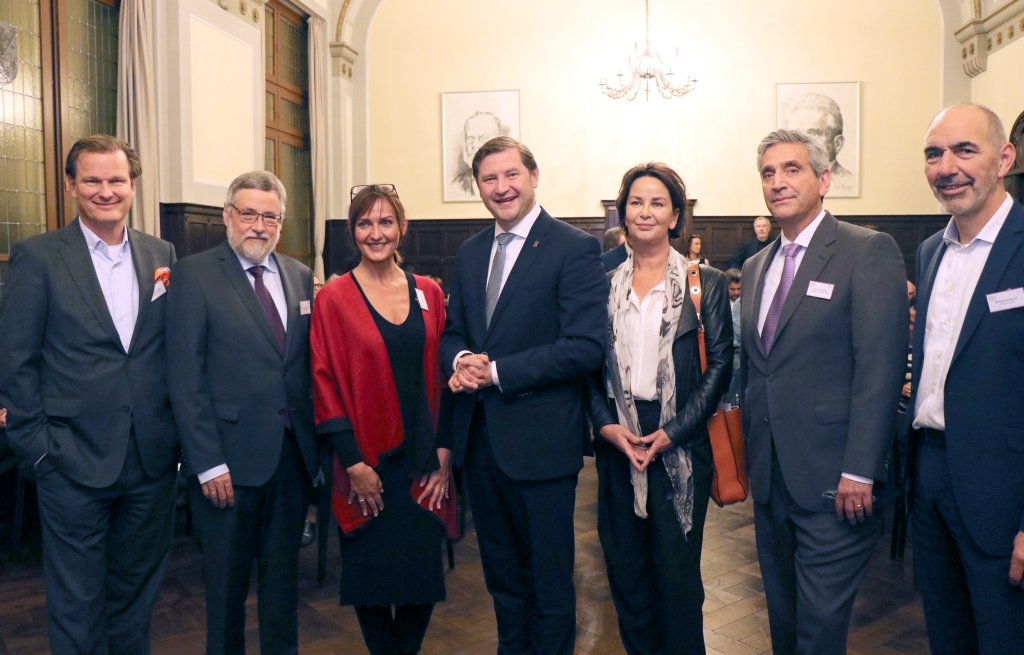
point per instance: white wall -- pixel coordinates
(556, 52)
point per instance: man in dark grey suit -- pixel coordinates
(82, 375)
(239, 376)
(824, 329)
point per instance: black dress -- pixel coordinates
(396, 559)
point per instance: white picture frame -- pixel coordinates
(468, 120)
(813, 108)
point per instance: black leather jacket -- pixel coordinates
(698, 394)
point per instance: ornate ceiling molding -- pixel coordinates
(986, 34)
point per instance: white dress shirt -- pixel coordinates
(272, 280)
(115, 271)
(955, 281)
(643, 329)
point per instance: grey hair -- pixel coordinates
(817, 156)
(260, 181)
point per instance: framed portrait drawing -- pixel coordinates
(829, 112)
(468, 120)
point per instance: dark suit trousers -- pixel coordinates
(653, 571)
(811, 564)
(104, 552)
(969, 607)
(264, 525)
(527, 548)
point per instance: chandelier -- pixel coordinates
(646, 67)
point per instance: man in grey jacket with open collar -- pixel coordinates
(82, 375)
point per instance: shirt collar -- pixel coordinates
(269, 262)
(523, 227)
(804, 238)
(93, 241)
(988, 233)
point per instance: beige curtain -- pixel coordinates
(319, 138)
(136, 108)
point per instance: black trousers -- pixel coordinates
(265, 526)
(104, 553)
(394, 631)
(653, 571)
(527, 548)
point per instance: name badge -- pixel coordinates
(158, 290)
(1000, 301)
(821, 290)
(422, 300)
(304, 308)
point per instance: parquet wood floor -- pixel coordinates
(887, 618)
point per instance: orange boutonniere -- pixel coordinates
(163, 275)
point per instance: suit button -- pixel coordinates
(126, 409)
(280, 412)
(765, 420)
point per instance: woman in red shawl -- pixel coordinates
(377, 392)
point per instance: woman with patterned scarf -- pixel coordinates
(649, 413)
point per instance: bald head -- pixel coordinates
(966, 158)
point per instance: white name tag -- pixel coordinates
(821, 290)
(422, 300)
(158, 290)
(1000, 301)
(304, 307)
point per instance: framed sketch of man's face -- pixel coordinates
(829, 113)
(469, 120)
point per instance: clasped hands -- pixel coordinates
(472, 372)
(639, 450)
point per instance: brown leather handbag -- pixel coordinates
(725, 427)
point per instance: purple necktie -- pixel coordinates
(267, 303)
(771, 322)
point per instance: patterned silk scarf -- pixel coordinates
(617, 379)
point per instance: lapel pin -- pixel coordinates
(536, 243)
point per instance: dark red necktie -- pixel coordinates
(267, 303)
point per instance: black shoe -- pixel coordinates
(308, 533)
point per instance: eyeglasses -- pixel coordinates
(250, 215)
(376, 188)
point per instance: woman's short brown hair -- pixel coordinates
(672, 181)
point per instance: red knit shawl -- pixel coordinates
(352, 379)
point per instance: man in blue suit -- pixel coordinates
(526, 321)
(968, 446)
(82, 375)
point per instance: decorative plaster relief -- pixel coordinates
(991, 29)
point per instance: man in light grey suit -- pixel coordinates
(824, 329)
(82, 375)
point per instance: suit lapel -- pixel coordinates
(477, 258)
(236, 276)
(292, 294)
(819, 251)
(145, 266)
(530, 253)
(1008, 244)
(926, 282)
(75, 253)
(752, 310)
